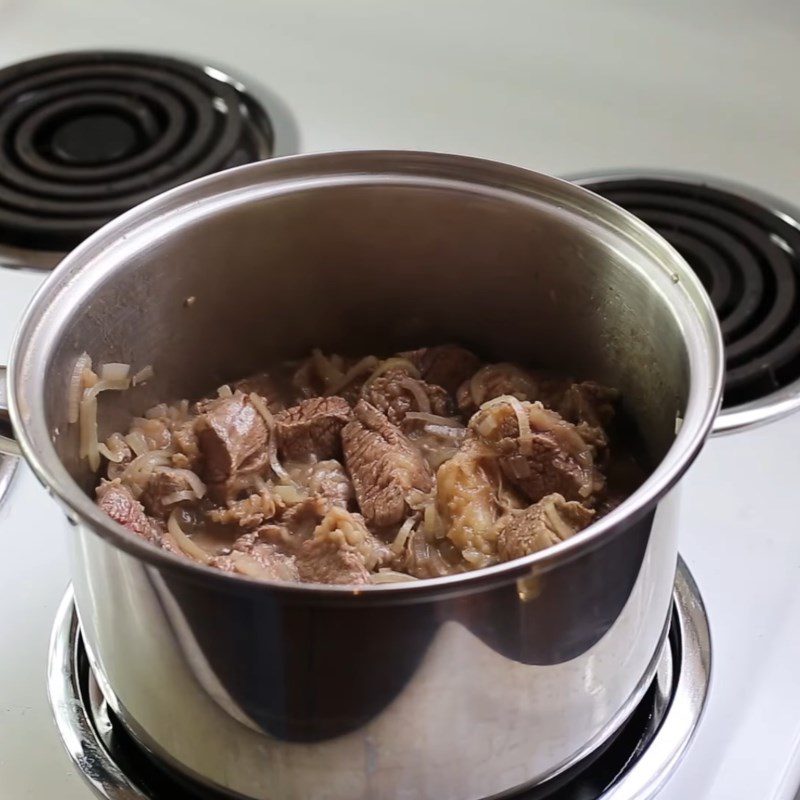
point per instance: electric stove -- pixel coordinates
(86, 135)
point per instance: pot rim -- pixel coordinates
(682, 289)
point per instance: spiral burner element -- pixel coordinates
(747, 256)
(86, 136)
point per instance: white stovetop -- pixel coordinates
(559, 87)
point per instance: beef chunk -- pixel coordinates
(232, 436)
(265, 385)
(341, 551)
(118, 502)
(320, 561)
(446, 365)
(312, 428)
(383, 465)
(164, 490)
(302, 518)
(496, 380)
(395, 393)
(467, 498)
(328, 480)
(542, 525)
(258, 559)
(554, 458)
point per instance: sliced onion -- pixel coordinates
(423, 401)
(290, 495)
(75, 389)
(325, 369)
(144, 374)
(160, 410)
(191, 548)
(402, 535)
(224, 391)
(395, 362)
(390, 576)
(177, 497)
(106, 452)
(88, 433)
(137, 442)
(567, 434)
(197, 486)
(525, 435)
(359, 368)
(144, 464)
(557, 523)
(104, 385)
(272, 446)
(114, 371)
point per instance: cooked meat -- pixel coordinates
(328, 480)
(266, 385)
(250, 512)
(356, 470)
(348, 530)
(496, 380)
(312, 428)
(253, 557)
(322, 561)
(446, 365)
(232, 436)
(544, 524)
(551, 456)
(383, 464)
(395, 393)
(467, 499)
(118, 502)
(166, 488)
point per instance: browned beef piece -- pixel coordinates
(555, 458)
(250, 512)
(267, 386)
(232, 436)
(395, 393)
(328, 480)
(542, 525)
(446, 365)
(383, 464)
(159, 497)
(495, 380)
(257, 559)
(117, 501)
(320, 561)
(312, 428)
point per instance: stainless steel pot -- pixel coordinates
(456, 688)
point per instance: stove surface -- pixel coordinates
(563, 88)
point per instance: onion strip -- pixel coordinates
(402, 535)
(272, 446)
(411, 386)
(88, 432)
(75, 389)
(396, 362)
(197, 486)
(523, 423)
(434, 419)
(144, 374)
(359, 368)
(114, 371)
(137, 442)
(191, 548)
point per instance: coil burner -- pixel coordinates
(86, 136)
(635, 763)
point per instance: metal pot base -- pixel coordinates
(634, 763)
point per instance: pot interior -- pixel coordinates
(210, 291)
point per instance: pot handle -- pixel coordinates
(8, 444)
